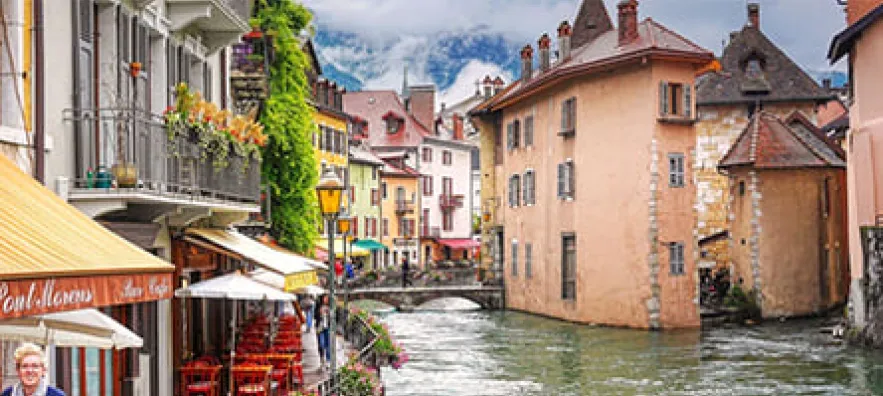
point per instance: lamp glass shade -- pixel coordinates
(344, 224)
(329, 191)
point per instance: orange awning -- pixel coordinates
(55, 258)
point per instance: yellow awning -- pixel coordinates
(353, 251)
(298, 271)
(54, 258)
(43, 236)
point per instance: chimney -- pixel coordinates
(458, 126)
(628, 21)
(526, 63)
(487, 85)
(423, 104)
(332, 88)
(564, 33)
(826, 83)
(543, 44)
(498, 85)
(754, 15)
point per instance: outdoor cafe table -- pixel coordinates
(251, 379)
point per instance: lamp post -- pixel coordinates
(344, 225)
(329, 191)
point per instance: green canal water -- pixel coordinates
(479, 353)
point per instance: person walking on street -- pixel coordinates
(406, 267)
(307, 304)
(323, 325)
(30, 364)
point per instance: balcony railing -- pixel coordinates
(448, 201)
(403, 207)
(173, 168)
(431, 232)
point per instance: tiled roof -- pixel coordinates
(768, 142)
(779, 80)
(372, 106)
(843, 41)
(363, 156)
(392, 170)
(605, 52)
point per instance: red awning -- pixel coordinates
(459, 243)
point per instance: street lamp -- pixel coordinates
(344, 225)
(329, 191)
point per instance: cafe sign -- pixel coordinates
(299, 280)
(29, 297)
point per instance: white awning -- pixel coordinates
(233, 286)
(274, 259)
(86, 328)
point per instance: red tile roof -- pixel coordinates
(605, 52)
(392, 170)
(375, 107)
(768, 142)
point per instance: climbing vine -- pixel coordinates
(289, 165)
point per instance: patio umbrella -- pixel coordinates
(87, 328)
(233, 286)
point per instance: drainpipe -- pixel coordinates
(39, 118)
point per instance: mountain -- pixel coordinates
(838, 79)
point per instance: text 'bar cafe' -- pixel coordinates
(64, 279)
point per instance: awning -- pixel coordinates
(459, 243)
(87, 328)
(55, 258)
(275, 280)
(298, 271)
(353, 251)
(233, 286)
(369, 244)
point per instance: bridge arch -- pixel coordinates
(483, 296)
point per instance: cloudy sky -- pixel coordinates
(802, 28)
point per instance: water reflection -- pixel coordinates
(506, 353)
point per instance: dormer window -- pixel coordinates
(394, 123)
(754, 69)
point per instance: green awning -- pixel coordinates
(369, 244)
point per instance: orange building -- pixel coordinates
(790, 252)
(399, 203)
(590, 158)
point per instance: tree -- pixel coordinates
(289, 166)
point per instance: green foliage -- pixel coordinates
(289, 165)
(747, 302)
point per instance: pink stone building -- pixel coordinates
(589, 158)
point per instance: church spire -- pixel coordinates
(405, 91)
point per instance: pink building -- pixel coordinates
(591, 167)
(863, 42)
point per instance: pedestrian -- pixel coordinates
(30, 364)
(306, 305)
(323, 325)
(406, 267)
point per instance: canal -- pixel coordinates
(481, 353)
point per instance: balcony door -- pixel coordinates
(447, 186)
(84, 67)
(400, 195)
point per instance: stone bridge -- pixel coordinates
(487, 297)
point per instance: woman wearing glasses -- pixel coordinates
(30, 363)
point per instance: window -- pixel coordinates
(514, 191)
(514, 257)
(446, 157)
(675, 170)
(568, 117)
(675, 100)
(448, 220)
(315, 140)
(427, 154)
(393, 125)
(385, 227)
(566, 180)
(754, 68)
(676, 258)
(352, 194)
(356, 226)
(375, 197)
(383, 190)
(568, 266)
(513, 134)
(741, 188)
(528, 260)
(498, 142)
(427, 186)
(529, 188)
(528, 131)
(373, 173)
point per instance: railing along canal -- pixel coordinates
(361, 337)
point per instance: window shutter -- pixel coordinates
(564, 106)
(571, 184)
(572, 116)
(509, 137)
(663, 98)
(688, 101)
(517, 190)
(511, 190)
(561, 180)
